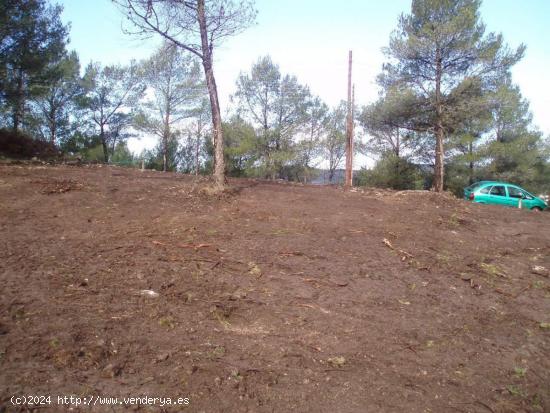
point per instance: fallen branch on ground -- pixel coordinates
(390, 246)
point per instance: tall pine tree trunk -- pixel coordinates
(439, 154)
(164, 153)
(104, 143)
(471, 165)
(219, 162)
(165, 139)
(53, 125)
(19, 103)
(439, 129)
(197, 146)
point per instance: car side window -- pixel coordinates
(526, 195)
(498, 190)
(485, 190)
(515, 193)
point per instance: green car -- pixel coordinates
(503, 193)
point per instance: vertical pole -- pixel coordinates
(352, 135)
(349, 131)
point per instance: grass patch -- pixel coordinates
(515, 391)
(492, 270)
(216, 353)
(167, 322)
(520, 372)
(337, 361)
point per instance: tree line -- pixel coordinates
(448, 103)
(448, 112)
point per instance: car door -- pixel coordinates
(482, 195)
(514, 196)
(528, 200)
(497, 196)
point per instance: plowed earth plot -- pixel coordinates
(269, 298)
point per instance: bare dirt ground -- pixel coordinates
(271, 298)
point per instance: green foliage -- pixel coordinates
(32, 37)
(334, 143)
(392, 172)
(309, 147)
(154, 159)
(444, 63)
(187, 155)
(276, 106)
(240, 147)
(92, 154)
(290, 152)
(123, 156)
(449, 80)
(516, 160)
(386, 122)
(54, 106)
(175, 79)
(111, 92)
(21, 145)
(196, 150)
(79, 142)
(459, 175)
(516, 152)
(500, 146)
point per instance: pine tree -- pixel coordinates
(441, 54)
(277, 107)
(111, 92)
(57, 101)
(32, 37)
(175, 80)
(198, 27)
(514, 148)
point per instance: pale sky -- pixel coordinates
(311, 39)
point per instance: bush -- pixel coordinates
(391, 172)
(93, 154)
(19, 145)
(78, 143)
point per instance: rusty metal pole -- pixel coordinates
(349, 131)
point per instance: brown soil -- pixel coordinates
(271, 298)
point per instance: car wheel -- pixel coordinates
(536, 209)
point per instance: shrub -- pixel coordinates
(19, 145)
(391, 172)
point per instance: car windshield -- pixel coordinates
(527, 194)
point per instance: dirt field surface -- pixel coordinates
(269, 298)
